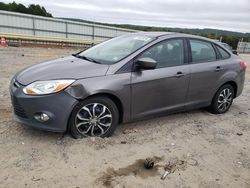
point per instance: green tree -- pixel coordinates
(31, 9)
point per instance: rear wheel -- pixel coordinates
(96, 116)
(222, 100)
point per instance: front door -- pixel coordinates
(165, 87)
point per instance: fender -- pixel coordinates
(119, 88)
(231, 76)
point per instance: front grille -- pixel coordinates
(18, 110)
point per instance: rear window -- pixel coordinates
(224, 54)
(202, 51)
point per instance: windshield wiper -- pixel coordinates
(86, 58)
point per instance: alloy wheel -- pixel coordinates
(93, 119)
(225, 99)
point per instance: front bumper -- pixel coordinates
(58, 106)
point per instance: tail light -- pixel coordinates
(243, 65)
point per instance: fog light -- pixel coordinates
(42, 117)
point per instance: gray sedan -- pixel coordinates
(127, 78)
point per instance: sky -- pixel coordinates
(233, 15)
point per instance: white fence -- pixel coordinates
(243, 47)
(37, 26)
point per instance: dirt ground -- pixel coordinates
(201, 149)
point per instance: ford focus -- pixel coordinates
(127, 78)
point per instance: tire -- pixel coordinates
(90, 116)
(220, 104)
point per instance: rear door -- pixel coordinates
(165, 87)
(206, 70)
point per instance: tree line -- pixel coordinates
(229, 37)
(30, 9)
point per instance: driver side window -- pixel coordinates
(167, 53)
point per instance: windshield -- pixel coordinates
(113, 50)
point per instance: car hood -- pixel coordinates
(63, 68)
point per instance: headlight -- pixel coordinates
(46, 87)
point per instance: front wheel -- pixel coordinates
(96, 116)
(222, 100)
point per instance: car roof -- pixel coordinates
(171, 34)
(155, 34)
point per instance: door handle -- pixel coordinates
(218, 69)
(179, 74)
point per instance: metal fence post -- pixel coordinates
(34, 26)
(66, 28)
(93, 32)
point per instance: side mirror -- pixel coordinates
(146, 63)
(235, 52)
